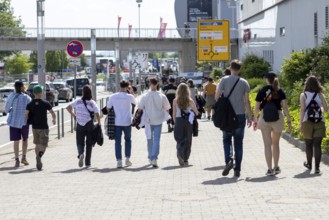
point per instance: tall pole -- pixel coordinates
(93, 62)
(41, 44)
(117, 66)
(139, 17)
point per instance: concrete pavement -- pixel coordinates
(62, 190)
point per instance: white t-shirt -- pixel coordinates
(154, 104)
(121, 103)
(82, 114)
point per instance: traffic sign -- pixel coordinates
(74, 48)
(213, 40)
(75, 61)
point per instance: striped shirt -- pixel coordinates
(16, 106)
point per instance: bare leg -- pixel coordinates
(16, 149)
(267, 139)
(24, 148)
(276, 147)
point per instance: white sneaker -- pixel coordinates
(119, 164)
(128, 163)
(150, 161)
(154, 163)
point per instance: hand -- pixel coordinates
(301, 127)
(289, 127)
(255, 125)
(54, 121)
(249, 122)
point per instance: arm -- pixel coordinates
(195, 110)
(174, 110)
(70, 110)
(286, 113)
(53, 115)
(26, 115)
(256, 111)
(218, 94)
(324, 103)
(98, 118)
(302, 99)
(248, 108)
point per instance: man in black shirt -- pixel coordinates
(36, 112)
(170, 91)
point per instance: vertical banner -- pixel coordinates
(163, 30)
(119, 21)
(129, 28)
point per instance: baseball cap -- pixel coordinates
(19, 84)
(37, 89)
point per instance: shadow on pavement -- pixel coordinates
(138, 169)
(176, 167)
(222, 181)
(8, 168)
(263, 179)
(217, 168)
(107, 170)
(306, 174)
(72, 170)
(24, 171)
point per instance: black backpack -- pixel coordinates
(313, 110)
(270, 111)
(224, 116)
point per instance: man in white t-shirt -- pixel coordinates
(122, 104)
(155, 106)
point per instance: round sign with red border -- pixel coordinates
(74, 48)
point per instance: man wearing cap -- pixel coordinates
(18, 127)
(39, 107)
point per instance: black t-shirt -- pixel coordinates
(39, 109)
(265, 91)
(170, 91)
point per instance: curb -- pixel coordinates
(301, 145)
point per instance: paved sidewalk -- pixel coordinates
(64, 191)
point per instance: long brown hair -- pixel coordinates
(274, 82)
(312, 84)
(86, 91)
(183, 96)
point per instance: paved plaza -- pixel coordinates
(62, 190)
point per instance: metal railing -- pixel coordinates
(174, 33)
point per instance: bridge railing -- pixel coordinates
(103, 33)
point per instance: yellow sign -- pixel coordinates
(213, 40)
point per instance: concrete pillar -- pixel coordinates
(187, 57)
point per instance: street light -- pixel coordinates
(41, 43)
(139, 16)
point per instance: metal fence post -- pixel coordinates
(62, 122)
(58, 125)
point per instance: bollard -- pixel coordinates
(62, 122)
(58, 125)
(71, 124)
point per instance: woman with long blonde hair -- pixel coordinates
(184, 111)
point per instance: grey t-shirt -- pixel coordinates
(238, 94)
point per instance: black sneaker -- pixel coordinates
(185, 163)
(237, 173)
(308, 166)
(180, 160)
(39, 163)
(317, 171)
(227, 168)
(269, 172)
(277, 170)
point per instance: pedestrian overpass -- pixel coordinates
(149, 40)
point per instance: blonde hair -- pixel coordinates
(183, 96)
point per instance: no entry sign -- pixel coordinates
(74, 48)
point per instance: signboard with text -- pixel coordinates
(199, 10)
(213, 40)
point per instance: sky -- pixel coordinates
(97, 13)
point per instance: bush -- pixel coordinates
(254, 66)
(256, 82)
(216, 72)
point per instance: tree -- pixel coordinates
(56, 60)
(7, 22)
(34, 61)
(83, 60)
(254, 66)
(216, 72)
(18, 64)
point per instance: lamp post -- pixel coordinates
(41, 43)
(93, 61)
(139, 16)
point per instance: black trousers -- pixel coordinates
(183, 135)
(84, 138)
(315, 144)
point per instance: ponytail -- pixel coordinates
(275, 85)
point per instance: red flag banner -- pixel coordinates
(163, 30)
(130, 27)
(119, 21)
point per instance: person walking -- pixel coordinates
(36, 112)
(122, 104)
(270, 100)
(18, 127)
(170, 92)
(241, 105)
(193, 90)
(209, 91)
(85, 109)
(184, 111)
(312, 123)
(155, 106)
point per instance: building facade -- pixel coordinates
(273, 29)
